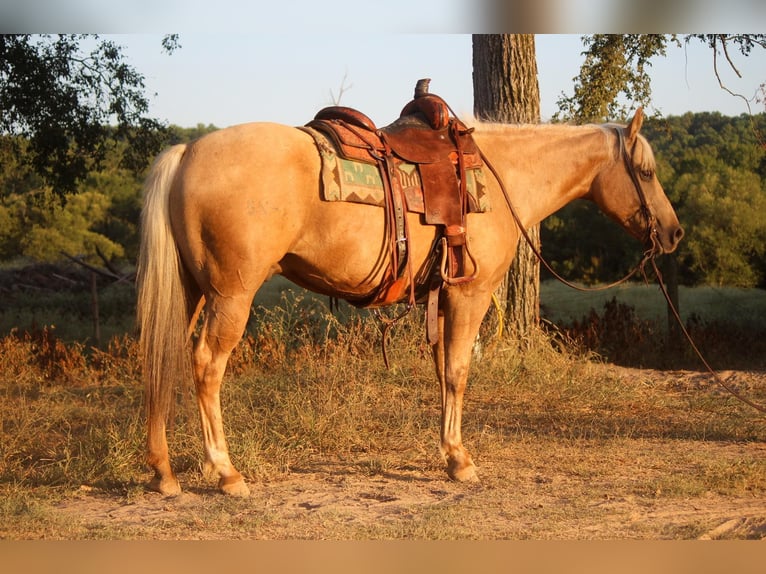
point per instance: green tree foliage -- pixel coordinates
(615, 65)
(723, 211)
(100, 219)
(68, 227)
(713, 168)
(62, 99)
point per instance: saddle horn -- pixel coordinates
(421, 88)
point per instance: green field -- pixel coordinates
(745, 307)
(626, 324)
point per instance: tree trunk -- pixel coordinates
(505, 89)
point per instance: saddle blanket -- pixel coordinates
(360, 182)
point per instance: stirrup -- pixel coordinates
(443, 268)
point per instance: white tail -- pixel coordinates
(162, 308)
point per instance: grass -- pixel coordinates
(301, 399)
(628, 325)
(559, 435)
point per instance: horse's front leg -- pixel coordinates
(459, 322)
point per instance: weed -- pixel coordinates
(620, 336)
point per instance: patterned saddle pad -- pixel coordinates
(360, 182)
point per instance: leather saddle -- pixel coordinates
(442, 147)
(425, 135)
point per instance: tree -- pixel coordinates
(506, 90)
(723, 214)
(62, 100)
(714, 168)
(100, 219)
(69, 228)
(618, 65)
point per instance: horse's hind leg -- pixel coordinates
(223, 326)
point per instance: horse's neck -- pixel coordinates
(545, 167)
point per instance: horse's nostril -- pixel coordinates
(679, 233)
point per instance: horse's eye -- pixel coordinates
(646, 174)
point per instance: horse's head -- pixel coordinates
(628, 191)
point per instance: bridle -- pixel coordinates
(652, 234)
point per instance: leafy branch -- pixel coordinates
(616, 69)
(67, 103)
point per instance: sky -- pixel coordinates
(283, 60)
(229, 78)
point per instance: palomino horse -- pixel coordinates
(226, 212)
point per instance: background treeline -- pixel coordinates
(99, 221)
(713, 168)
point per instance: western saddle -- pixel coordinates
(442, 148)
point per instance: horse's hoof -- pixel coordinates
(234, 486)
(167, 486)
(462, 472)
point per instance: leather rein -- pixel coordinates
(650, 255)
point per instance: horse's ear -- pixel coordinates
(635, 124)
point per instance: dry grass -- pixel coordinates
(338, 447)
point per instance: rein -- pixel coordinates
(700, 356)
(649, 255)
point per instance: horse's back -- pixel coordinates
(239, 154)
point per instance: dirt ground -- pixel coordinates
(536, 489)
(305, 506)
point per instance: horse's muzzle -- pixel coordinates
(670, 238)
